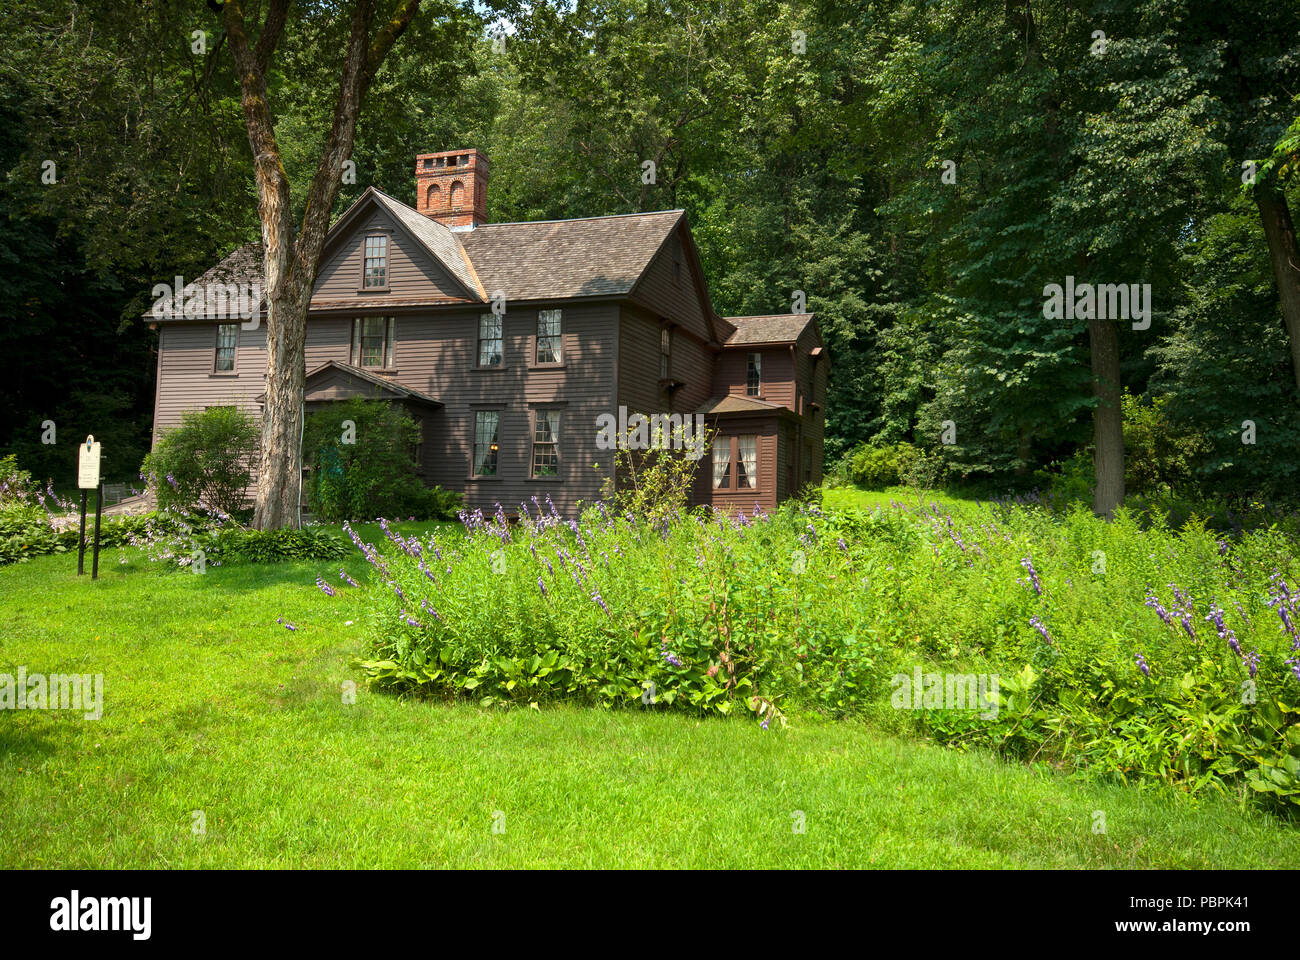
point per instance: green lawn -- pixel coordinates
(838, 498)
(213, 706)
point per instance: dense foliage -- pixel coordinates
(1131, 653)
(361, 455)
(919, 171)
(205, 462)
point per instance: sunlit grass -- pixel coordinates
(213, 706)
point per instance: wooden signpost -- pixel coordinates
(88, 479)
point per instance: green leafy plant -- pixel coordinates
(206, 461)
(376, 474)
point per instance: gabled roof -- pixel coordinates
(437, 238)
(539, 260)
(770, 328)
(560, 259)
(393, 391)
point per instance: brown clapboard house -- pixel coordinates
(600, 313)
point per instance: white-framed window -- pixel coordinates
(375, 269)
(372, 341)
(486, 427)
(549, 337)
(746, 462)
(754, 374)
(227, 342)
(490, 344)
(722, 463)
(546, 443)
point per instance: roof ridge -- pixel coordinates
(607, 216)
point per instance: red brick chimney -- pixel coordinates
(451, 187)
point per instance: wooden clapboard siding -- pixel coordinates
(682, 300)
(766, 493)
(436, 353)
(412, 272)
(614, 280)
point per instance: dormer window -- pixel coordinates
(375, 269)
(754, 375)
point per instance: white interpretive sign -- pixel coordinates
(88, 464)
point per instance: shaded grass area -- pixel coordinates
(212, 706)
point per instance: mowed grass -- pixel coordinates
(212, 706)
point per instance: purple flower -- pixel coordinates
(595, 595)
(1141, 662)
(328, 590)
(1028, 564)
(541, 586)
(1037, 624)
(287, 626)
(1154, 603)
(671, 658)
(428, 608)
(409, 621)
(343, 575)
(1225, 634)
(1252, 661)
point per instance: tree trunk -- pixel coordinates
(291, 257)
(1279, 230)
(279, 479)
(1108, 423)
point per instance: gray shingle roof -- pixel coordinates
(542, 260)
(558, 259)
(772, 328)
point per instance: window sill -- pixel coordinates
(547, 366)
(363, 290)
(499, 366)
(474, 479)
(223, 375)
(547, 479)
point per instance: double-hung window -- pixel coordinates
(374, 274)
(549, 338)
(754, 375)
(490, 343)
(372, 342)
(546, 439)
(486, 426)
(227, 341)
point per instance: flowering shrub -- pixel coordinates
(206, 461)
(1135, 654)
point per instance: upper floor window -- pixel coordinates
(546, 438)
(665, 352)
(227, 340)
(486, 423)
(375, 272)
(754, 374)
(549, 339)
(489, 340)
(372, 341)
